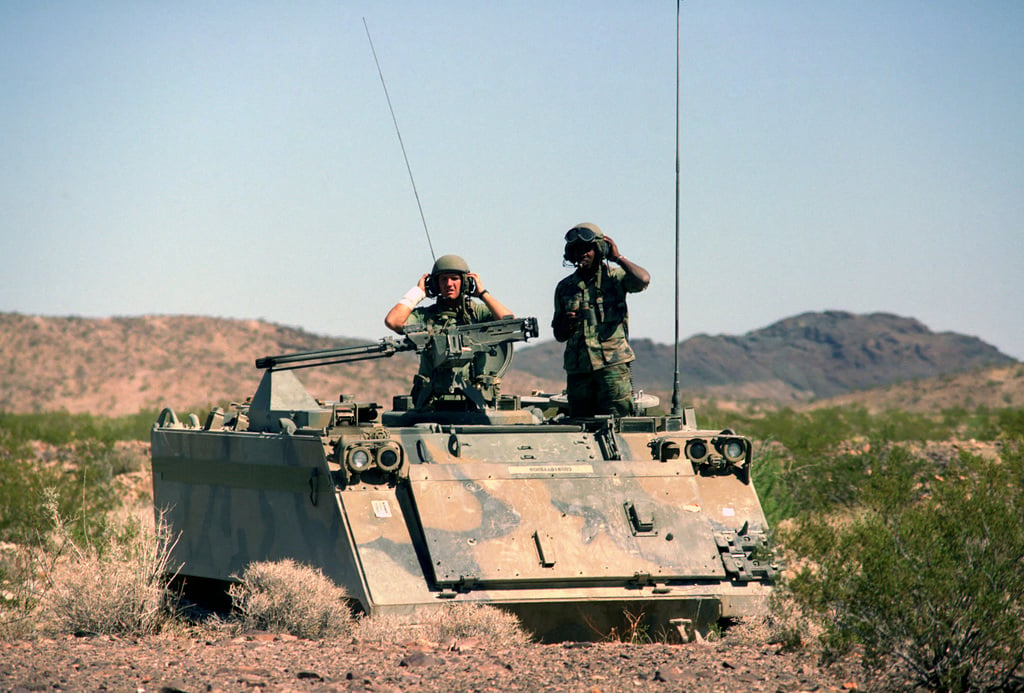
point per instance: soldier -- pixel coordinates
(591, 318)
(453, 286)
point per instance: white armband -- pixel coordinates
(412, 297)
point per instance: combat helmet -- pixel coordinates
(585, 233)
(448, 264)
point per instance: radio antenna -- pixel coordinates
(676, 409)
(400, 142)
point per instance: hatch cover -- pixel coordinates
(622, 522)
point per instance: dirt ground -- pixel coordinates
(268, 662)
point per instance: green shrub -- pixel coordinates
(285, 596)
(1010, 424)
(20, 518)
(791, 487)
(62, 427)
(770, 473)
(82, 471)
(804, 434)
(821, 431)
(818, 460)
(79, 454)
(927, 577)
(903, 426)
(984, 423)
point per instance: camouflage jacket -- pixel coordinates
(601, 339)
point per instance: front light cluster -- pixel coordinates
(725, 448)
(362, 456)
(704, 451)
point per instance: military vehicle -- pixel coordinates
(581, 527)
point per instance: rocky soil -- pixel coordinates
(267, 662)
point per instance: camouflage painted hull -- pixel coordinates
(579, 527)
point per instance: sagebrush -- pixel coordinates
(120, 587)
(452, 622)
(61, 585)
(285, 596)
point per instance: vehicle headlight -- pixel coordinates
(389, 457)
(359, 459)
(696, 450)
(733, 449)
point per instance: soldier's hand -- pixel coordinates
(479, 290)
(569, 320)
(565, 325)
(422, 283)
(613, 249)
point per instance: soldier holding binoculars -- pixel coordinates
(592, 319)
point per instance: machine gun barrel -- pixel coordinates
(383, 348)
(449, 345)
(500, 331)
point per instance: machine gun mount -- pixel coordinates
(464, 362)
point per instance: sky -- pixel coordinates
(239, 159)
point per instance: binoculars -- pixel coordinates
(584, 310)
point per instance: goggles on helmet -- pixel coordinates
(580, 234)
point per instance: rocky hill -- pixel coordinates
(116, 366)
(810, 356)
(122, 365)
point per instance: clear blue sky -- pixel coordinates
(238, 159)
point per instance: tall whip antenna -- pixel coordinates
(676, 410)
(400, 142)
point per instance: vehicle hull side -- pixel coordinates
(236, 498)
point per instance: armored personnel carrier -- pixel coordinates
(578, 526)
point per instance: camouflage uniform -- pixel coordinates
(430, 382)
(597, 355)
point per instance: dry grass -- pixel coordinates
(117, 588)
(492, 627)
(120, 588)
(780, 621)
(17, 591)
(288, 597)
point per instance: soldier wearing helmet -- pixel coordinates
(453, 287)
(592, 319)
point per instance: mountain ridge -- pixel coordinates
(121, 365)
(809, 356)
